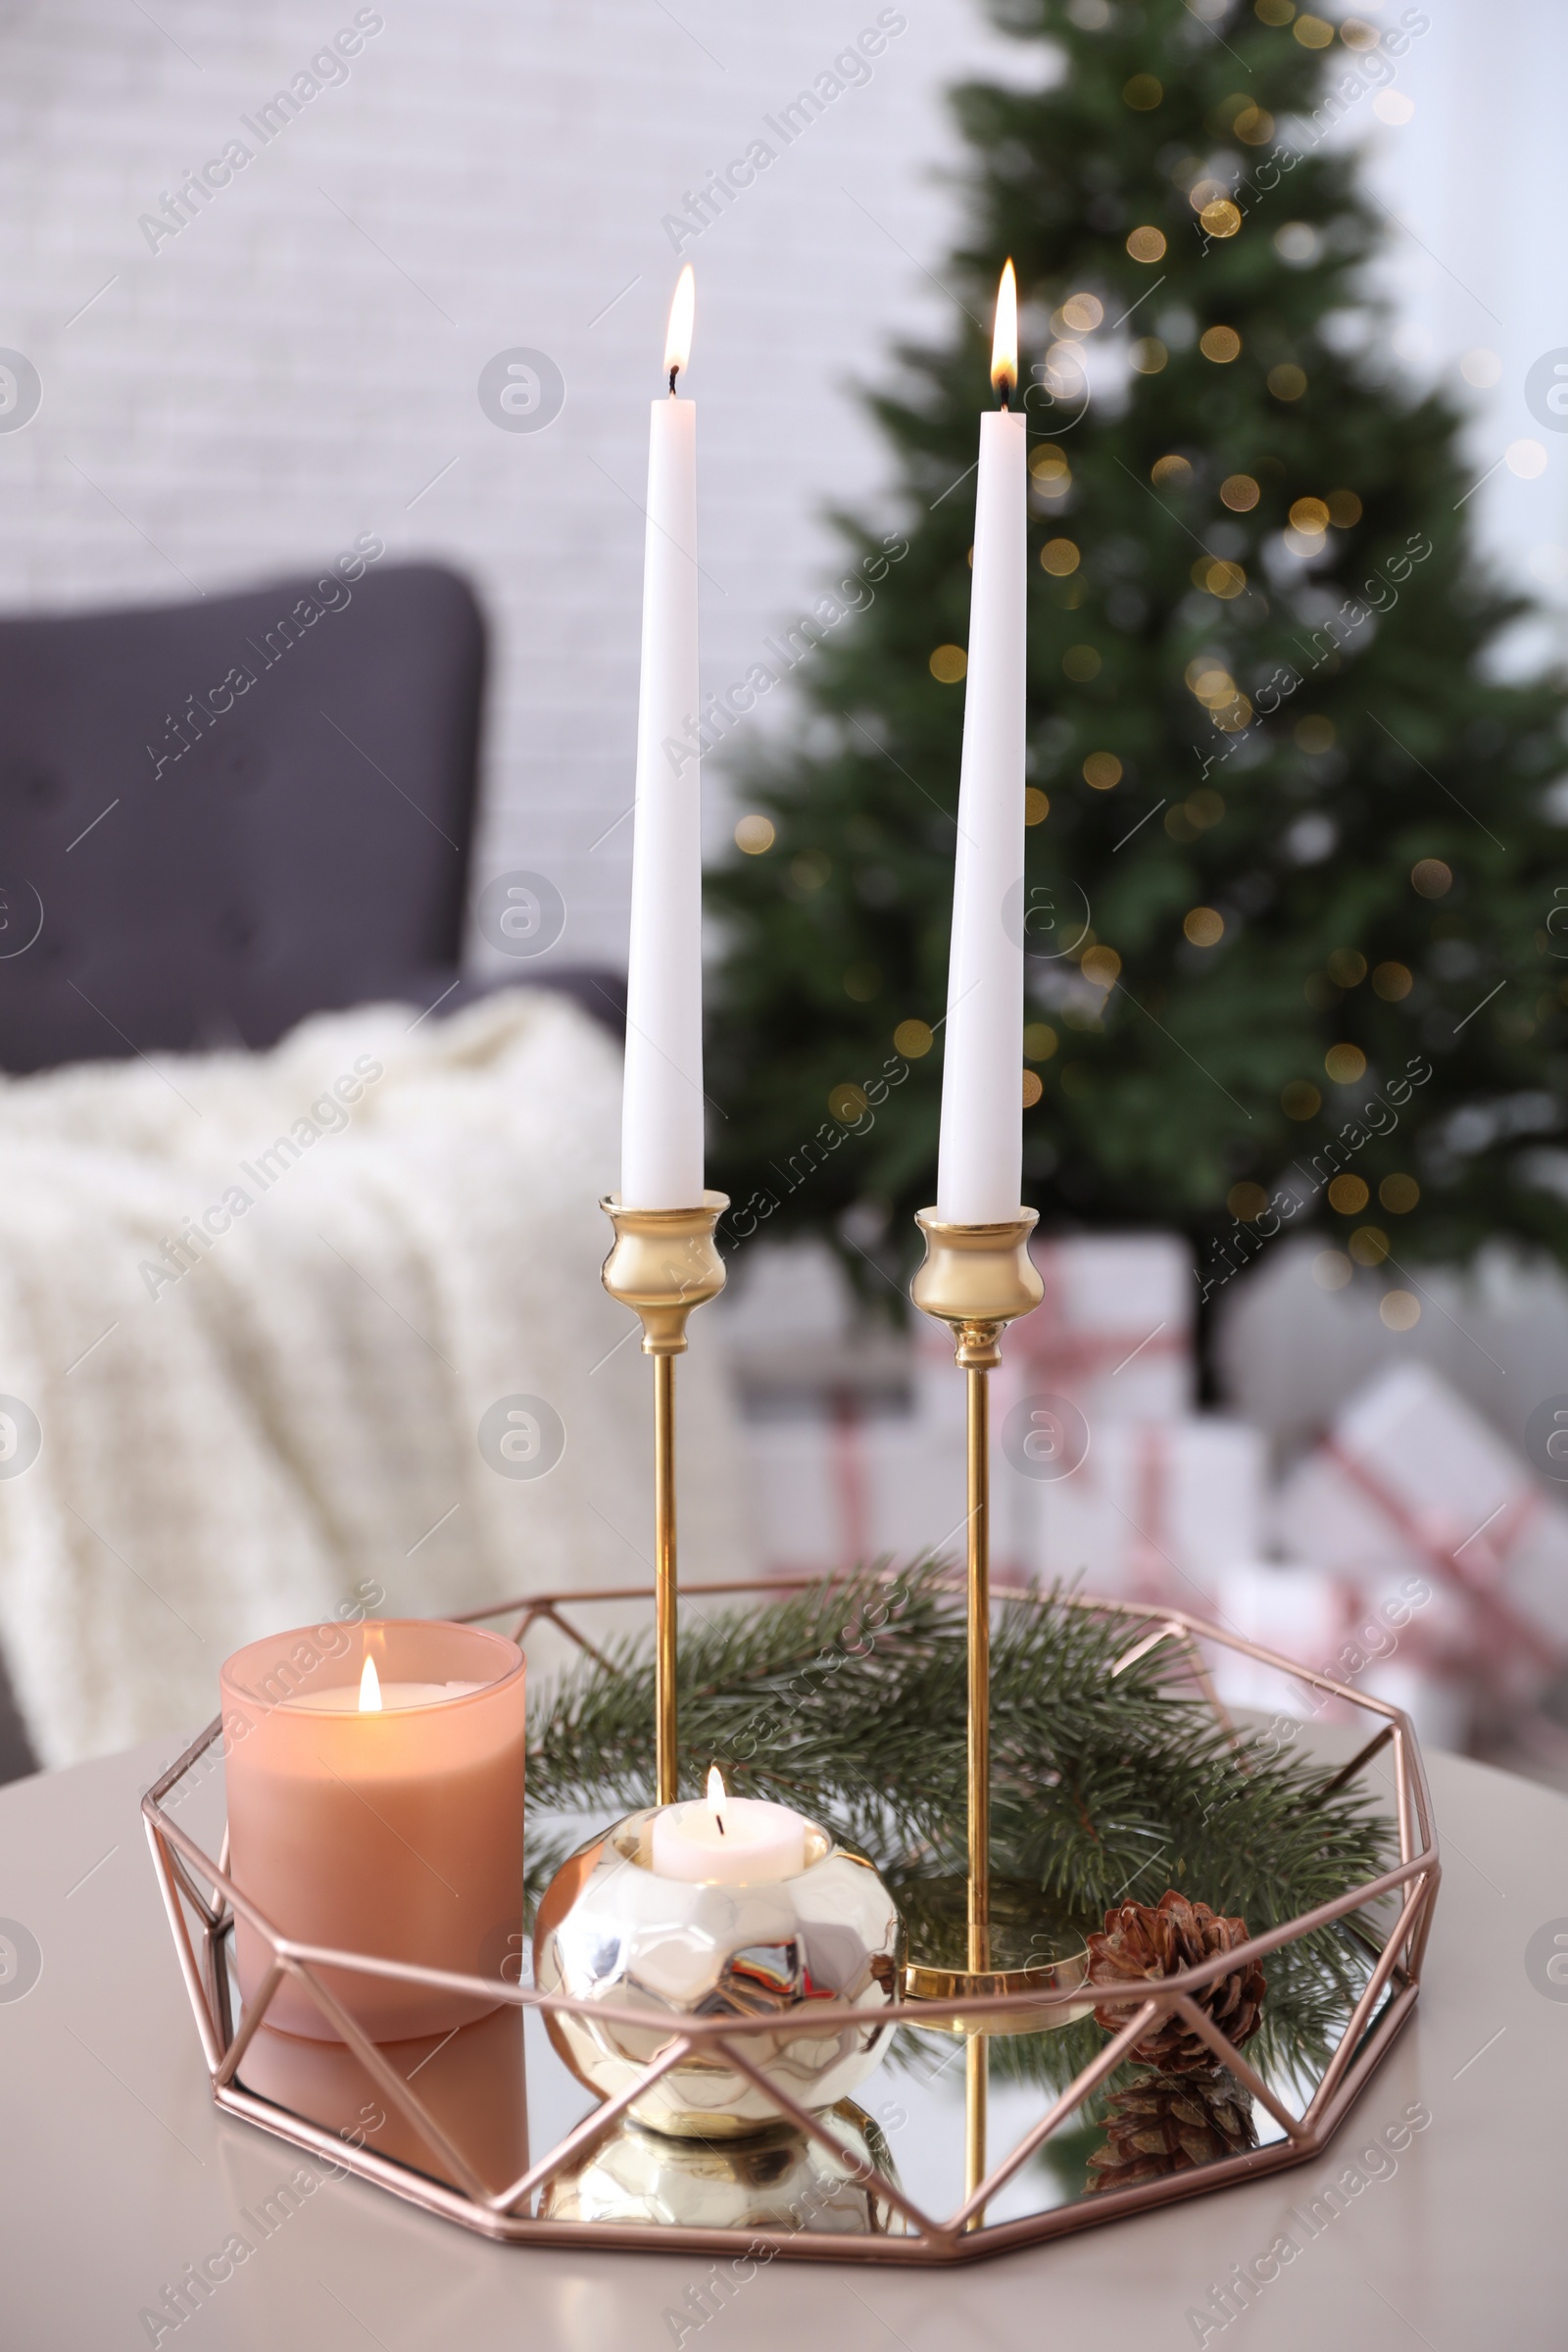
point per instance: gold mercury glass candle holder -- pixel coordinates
(977, 1279)
(654, 1952)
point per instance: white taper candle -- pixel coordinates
(979, 1176)
(661, 1102)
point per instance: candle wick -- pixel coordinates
(719, 1818)
(674, 372)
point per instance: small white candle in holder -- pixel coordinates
(731, 1840)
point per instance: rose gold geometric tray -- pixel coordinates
(454, 2121)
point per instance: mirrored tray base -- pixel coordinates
(488, 2128)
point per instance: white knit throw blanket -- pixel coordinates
(253, 1310)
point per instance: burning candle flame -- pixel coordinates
(1005, 342)
(717, 1796)
(370, 1690)
(678, 340)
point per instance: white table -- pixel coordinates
(119, 2171)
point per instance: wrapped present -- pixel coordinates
(1295, 1610)
(1437, 1699)
(1148, 1511)
(1410, 1477)
(831, 1492)
(1113, 1332)
(1394, 1643)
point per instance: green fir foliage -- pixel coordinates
(848, 1701)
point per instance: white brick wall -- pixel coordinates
(269, 382)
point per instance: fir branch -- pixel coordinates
(848, 1701)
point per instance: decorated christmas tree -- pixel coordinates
(1291, 867)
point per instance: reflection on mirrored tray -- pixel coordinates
(498, 2088)
(776, 2179)
(501, 2094)
(471, 2082)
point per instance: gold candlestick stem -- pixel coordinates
(979, 1581)
(665, 1262)
(977, 2057)
(977, 1279)
(976, 2087)
(665, 1614)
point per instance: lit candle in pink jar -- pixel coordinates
(376, 1805)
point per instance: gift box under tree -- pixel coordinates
(1410, 1477)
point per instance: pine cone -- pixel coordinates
(1171, 2123)
(1141, 1946)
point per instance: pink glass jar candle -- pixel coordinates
(392, 1828)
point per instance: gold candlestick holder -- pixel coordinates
(665, 1262)
(977, 1279)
